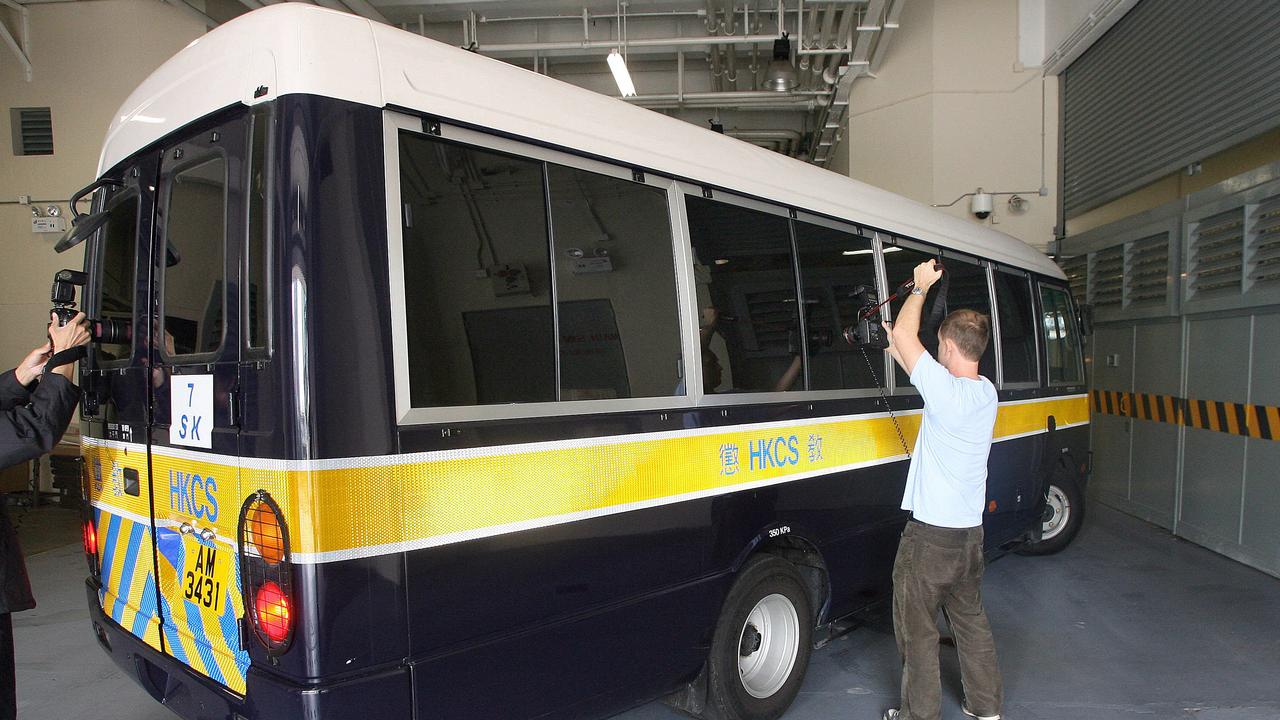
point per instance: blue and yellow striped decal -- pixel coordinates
(128, 592)
(123, 525)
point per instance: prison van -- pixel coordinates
(441, 389)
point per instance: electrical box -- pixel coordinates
(588, 265)
(48, 224)
(509, 280)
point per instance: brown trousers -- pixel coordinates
(942, 568)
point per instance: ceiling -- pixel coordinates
(702, 61)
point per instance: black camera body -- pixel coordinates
(63, 296)
(867, 332)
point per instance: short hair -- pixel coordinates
(970, 330)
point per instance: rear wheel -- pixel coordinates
(761, 646)
(1063, 516)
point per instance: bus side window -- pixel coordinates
(1062, 344)
(477, 276)
(899, 266)
(116, 287)
(833, 264)
(619, 329)
(257, 247)
(743, 271)
(1017, 328)
(968, 290)
(195, 263)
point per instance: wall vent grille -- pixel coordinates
(1215, 265)
(1107, 271)
(1263, 250)
(32, 131)
(1147, 271)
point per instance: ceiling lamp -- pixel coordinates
(781, 76)
(620, 74)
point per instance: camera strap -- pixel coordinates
(936, 313)
(901, 438)
(65, 357)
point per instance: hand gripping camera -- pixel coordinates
(63, 295)
(867, 331)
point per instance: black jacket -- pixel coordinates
(31, 423)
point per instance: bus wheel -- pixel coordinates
(1063, 516)
(761, 646)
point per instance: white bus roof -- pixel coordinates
(292, 48)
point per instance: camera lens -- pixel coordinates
(111, 331)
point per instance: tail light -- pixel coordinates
(267, 571)
(88, 530)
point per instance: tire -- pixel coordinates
(768, 616)
(1064, 514)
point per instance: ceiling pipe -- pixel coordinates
(671, 42)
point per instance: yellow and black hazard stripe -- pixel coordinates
(1256, 421)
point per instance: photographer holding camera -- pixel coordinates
(37, 401)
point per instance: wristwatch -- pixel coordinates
(917, 291)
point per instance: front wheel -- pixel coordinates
(1063, 516)
(761, 646)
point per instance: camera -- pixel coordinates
(112, 331)
(867, 332)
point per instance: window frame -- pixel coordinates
(266, 114)
(230, 224)
(1027, 280)
(878, 266)
(95, 269)
(1071, 320)
(406, 414)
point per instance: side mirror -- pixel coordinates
(81, 229)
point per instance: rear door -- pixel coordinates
(195, 320)
(115, 407)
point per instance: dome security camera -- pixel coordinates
(980, 205)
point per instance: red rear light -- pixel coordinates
(266, 571)
(89, 538)
(271, 607)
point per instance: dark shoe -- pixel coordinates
(969, 713)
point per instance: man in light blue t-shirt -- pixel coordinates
(940, 561)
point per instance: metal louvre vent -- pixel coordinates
(1107, 271)
(1076, 268)
(32, 131)
(771, 314)
(1215, 263)
(1146, 274)
(1263, 251)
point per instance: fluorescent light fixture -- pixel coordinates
(620, 74)
(857, 252)
(892, 249)
(722, 261)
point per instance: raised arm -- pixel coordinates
(904, 336)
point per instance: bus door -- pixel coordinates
(115, 403)
(201, 212)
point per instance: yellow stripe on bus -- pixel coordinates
(378, 507)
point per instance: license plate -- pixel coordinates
(206, 573)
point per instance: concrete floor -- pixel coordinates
(1127, 623)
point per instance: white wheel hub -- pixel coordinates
(768, 645)
(1058, 513)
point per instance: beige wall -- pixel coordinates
(87, 57)
(952, 110)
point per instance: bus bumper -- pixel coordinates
(196, 697)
